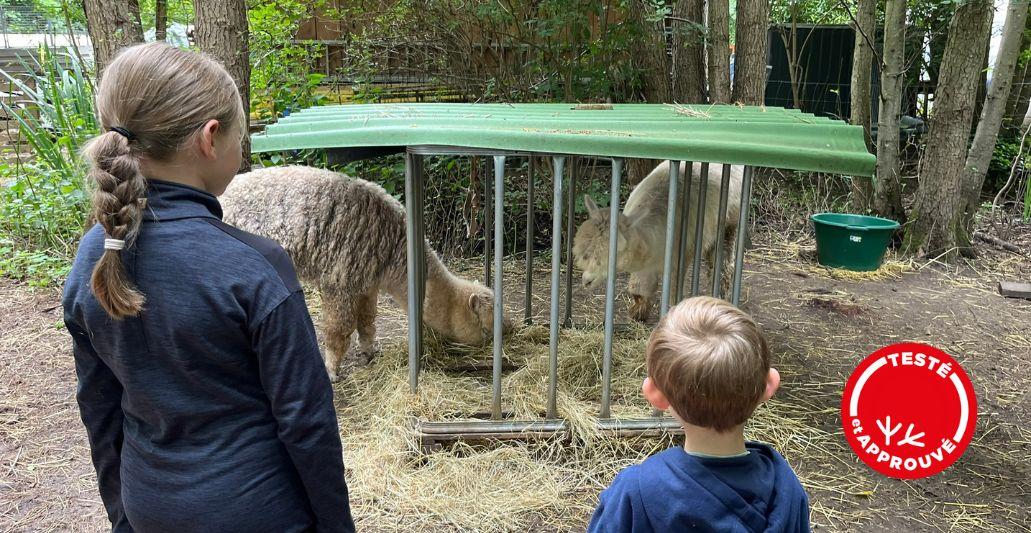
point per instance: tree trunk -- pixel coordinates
(1019, 100)
(982, 88)
(160, 19)
(1020, 93)
(933, 227)
(862, 66)
(719, 51)
(654, 68)
(688, 52)
(887, 199)
(862, 74)
(753, 22)
(987, 134)
(221, 32)
(649, 53)
(112, 24)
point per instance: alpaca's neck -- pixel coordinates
(442, 295)
(635, 254)
(441, 289)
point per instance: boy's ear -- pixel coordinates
(654, 395)
(772, 384)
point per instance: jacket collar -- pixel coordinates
(175, 201)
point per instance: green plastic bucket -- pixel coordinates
(853, 242)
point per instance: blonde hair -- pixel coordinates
(710, 361)
(156, 96)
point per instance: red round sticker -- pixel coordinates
(909, 410)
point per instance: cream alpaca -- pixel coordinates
(641, 239)
(346, 236)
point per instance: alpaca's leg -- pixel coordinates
(366, 318)
(338, 325)
(726, 269)
(642, 288)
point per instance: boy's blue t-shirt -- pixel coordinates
(676, 491)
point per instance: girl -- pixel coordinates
(200, 381)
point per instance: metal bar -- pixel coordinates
(440, 149)
(570, 219)
(488, 222)
(696, 265)
(474, 427)
(721, 227)
(685, 208)
(420, 232)
(610, 289)
(671, 218)
(742, 230)
(517, 428)
(499, 277)
(556, 270)
(530, 223)
(413, 175)
(629, 426)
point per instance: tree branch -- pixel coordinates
(869, 42)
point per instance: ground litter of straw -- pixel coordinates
(820, 322)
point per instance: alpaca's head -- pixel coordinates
(591, 243)
(472, 317)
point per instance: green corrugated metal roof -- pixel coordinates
(769, 137)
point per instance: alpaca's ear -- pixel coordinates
(475, 302)
(592, 208)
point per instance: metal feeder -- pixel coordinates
(725, 135)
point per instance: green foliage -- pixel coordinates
(1027, 198)
(20, 16)
(1007, 150)
(43, 201)
(809, 12)
(538, 51)
(39, 269)
(281, 77)
(176, 11)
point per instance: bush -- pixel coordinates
(281, 77)
(43, 203)
(1006, 151)
(449, 186)
(39, 269)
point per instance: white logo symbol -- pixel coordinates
(888, 430)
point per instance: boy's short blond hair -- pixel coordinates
(710, 361)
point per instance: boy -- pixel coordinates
(709, 365)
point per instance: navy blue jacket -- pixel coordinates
(212, 410)
(676, 491)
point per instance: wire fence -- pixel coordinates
(20, 20)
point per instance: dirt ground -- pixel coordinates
(821, 324)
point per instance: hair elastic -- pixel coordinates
(123, 132)
(114, 244)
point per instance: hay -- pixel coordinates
(688, 111)
(547, 484)
(890, 269)
(801, 255)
